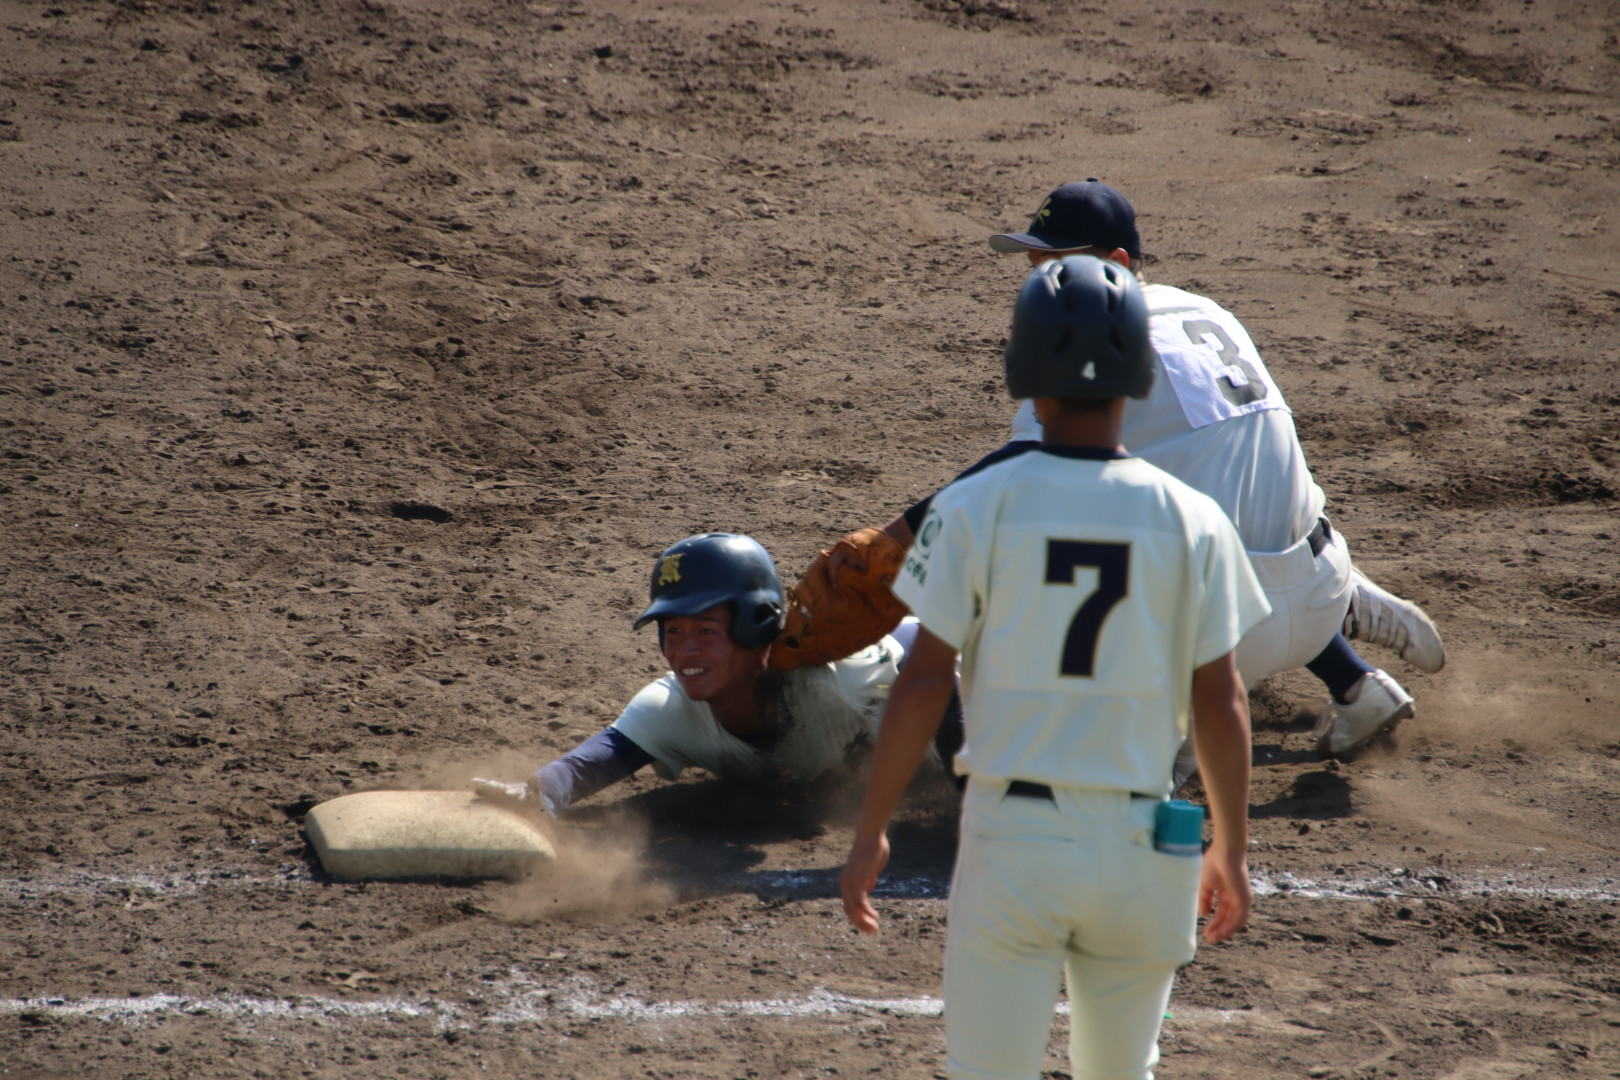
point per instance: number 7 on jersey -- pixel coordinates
(1112, 561)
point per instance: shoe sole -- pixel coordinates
(1419, 618)
(1324, 732)
(1421, 663)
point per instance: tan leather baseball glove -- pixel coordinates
(827, 622)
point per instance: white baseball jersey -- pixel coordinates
(826, 711)
(1081, 590)
(1216, 420)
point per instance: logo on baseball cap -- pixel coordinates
(1087, 214)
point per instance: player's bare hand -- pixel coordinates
(859, 877)
(1224, 894)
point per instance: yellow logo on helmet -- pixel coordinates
(1040, 215)
(669, 569)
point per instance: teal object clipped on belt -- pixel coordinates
(1178, 827)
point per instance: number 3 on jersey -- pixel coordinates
(1112, 561)
(1240, 383)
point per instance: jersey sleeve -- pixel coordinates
(656, 720)
(1232, 600)
(1026, 426)
(943, 580)
(918, 510)
(605, 758)
(865, 678)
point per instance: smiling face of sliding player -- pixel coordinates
(717, 600)
(713, 667)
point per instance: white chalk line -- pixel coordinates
(149, 882)
(1531, 883)
(1528, 882)
(519, 1000)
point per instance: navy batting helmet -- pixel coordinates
(1080, 330)
(702, 571)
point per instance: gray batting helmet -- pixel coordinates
(1079, 330)
(703, 571)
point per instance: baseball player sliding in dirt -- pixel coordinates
(1095, 602)
(726, 705)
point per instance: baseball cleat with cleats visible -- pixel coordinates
(1377, 704)
(1382, 618)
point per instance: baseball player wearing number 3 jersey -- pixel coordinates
(1095, 602)
(1217, 420)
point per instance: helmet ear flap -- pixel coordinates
(760, 627)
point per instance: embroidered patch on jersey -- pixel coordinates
(915, 566)
(926, 534)
(669, 569)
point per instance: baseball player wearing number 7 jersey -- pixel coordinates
(1095, 602)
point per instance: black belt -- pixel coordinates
(1318, 537)
(1029, 789)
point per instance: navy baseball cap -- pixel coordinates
(1087, 214)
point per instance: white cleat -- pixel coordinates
(1382, 618)
(1377, 703)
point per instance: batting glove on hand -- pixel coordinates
(517, 796)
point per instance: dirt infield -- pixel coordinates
(360, 355)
